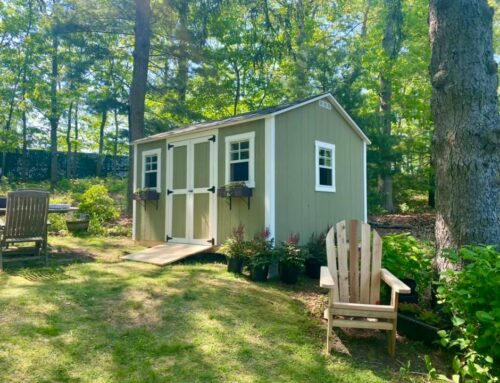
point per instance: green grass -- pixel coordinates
(99, 320)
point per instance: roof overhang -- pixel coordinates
(221, 124)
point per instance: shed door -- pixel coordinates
(191, 202)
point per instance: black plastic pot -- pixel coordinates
(312, 268)
(413, 296)
(234, 265)
(289, 274)
(259, 273)
(417, 330)
(77, 226)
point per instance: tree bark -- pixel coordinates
(76, 150)
(115, 141)
(391, 44)
(466, 139)
(68, 141)
(104, 118)
(142, 33)
(54, 113)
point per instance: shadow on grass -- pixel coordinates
(139, 323)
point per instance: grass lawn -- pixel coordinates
(91, 318)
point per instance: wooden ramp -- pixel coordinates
(167, 253)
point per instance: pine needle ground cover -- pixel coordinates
(96, 319)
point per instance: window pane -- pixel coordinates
(150, 180)
(244, 155)
(239, 171)
(328, 153)
(322, 152)
(328, 162)
(322, 161)
(325, 177)
(235, 146)
(234, 156)
(148, 166)
(154, 159)
(154, 166)
(148, 159)
(244, 145)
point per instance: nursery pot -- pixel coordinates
(413, 296)
(312, 268)
(234, 265)
(79, 225)
(417, 330)
(289, 273)
(259, 273)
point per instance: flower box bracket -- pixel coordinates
(142, 197)
(235, 192)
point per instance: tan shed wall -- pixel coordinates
(299, 208)
(150, 222)
(253, 218)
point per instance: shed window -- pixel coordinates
(325, 166)
(240, 158)
(151, 166)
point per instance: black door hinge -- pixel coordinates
(212, 241)
(213, 138)
(169, 191)
(212, 189)
(167, 238)
(170, 146)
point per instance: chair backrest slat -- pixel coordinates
(331, 257)
(342, 260)
(376, 263)
(26, 214)
(354, 265)
(353, 262)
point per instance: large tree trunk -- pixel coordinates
(182, 61)
(115, 142)
(137, 97)
(466, 139)
(391, 44)
(104, 118)
(54, 113)
(76, 149)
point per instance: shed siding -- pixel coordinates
(299, 208)
(150, 222)
(253, 218)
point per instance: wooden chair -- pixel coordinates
(353, 276)
(25, 221)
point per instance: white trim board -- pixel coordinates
(317, 186)
(134, 202)
(365, 185)
(270, 175)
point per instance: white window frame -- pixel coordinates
(324, 145)
(149, 153)
(250, 137)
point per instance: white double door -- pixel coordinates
(191, 190)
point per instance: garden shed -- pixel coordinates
(294, 168)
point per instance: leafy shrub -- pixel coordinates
(57, 222)
(260, 251)
(99, 206)
(235, 246)
(406, 257)
(471, 295)
(291, 254)
(316, 247)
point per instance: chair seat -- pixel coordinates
(26, 239)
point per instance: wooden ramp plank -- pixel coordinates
(167, 253)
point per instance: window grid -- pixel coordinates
(325, 167)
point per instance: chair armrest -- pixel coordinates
(393, 282)
(326, 279)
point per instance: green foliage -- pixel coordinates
(235, 246)
(407, 257)
(99, 206)
(260, 250)
(316, 247)
(57, 222)
(290, 253)
(471, 295)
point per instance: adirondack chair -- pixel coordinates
(353, 276)
(25, 221)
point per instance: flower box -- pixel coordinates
(235, 191)
(147, 195)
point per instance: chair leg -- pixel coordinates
(45, 254)
(329, 331)
(1, 257)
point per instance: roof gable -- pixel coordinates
(257, 115)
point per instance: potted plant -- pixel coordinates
(316, 248)
(291, 259)
(235, 189)
(260, 256)
(146, 194)
(235, 249)
(78, 222)
(422, 324)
